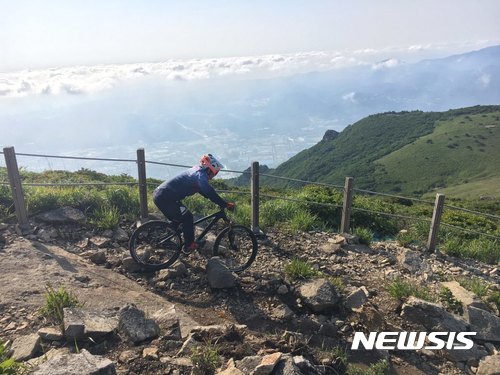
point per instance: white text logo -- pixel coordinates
(413, 340)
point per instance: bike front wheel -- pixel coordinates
(155, 245)
(237, 247)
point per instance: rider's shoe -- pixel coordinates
(188, 249)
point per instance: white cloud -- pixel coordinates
(350, 97)
(484, 80)
(87, 79)
(387, 64)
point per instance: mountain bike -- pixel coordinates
(157, 244)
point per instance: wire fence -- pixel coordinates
(266, 175)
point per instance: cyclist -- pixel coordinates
(167, 197)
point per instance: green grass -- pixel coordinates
(457, 152)
(401, 290)
(206, 358)
(299, 269)
(449, 302)
(106, 218)
(475, 285)
(8, 366)
(55, 302)
(379, 368)
(365, 235)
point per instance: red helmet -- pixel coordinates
(210, 162)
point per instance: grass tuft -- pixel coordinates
(298, 269)
(206, 358)
(55, 302)
(401, 290)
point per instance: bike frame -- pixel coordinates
(216, 217)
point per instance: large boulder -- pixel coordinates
(432, 316)
(63, 215)
(25, 347)
(489, 365)
(484, 323)
(135, 326)
(79, 323)
(219, 276)
(82, 363)
(319, 295)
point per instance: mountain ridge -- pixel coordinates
(371, 149)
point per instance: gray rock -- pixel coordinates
(463, 295)
(305, 366)
(135, 326)
(357, 298)
(282, 312)
(82, 363)
(319, 295)
(79, 323)
(100, 241)
(99, 257)
(267, 364)
(120, 235)
(25, 347)
(413, 262)
(63, 215)
(169, 323)
(432, 316)
(282, 290)
(248, 364)
(489, 365)
(471, 356)
(287, 367)
(484, 323)
(219, 277)
(50, 334)
(130, 265)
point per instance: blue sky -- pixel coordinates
(40, 34)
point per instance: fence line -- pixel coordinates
(302, 181)
(473, 212)
(301, 201)
(16, 187)
(393, 196)
(76, 157)
(82, 184)
(470, 231)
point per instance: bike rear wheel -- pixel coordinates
(237, 247)
(155, 245)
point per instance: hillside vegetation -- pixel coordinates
(407, 152)
(311, 208)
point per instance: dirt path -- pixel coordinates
(27, 267)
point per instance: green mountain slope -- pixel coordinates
(406, 152)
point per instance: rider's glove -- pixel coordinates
(230, 206)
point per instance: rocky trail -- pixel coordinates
(261, 321)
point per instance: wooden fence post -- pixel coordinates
(347, 207)
(254, 189)
(143, 187)
(16, 188)
(436, 219)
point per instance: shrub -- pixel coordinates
(8, 366)
(379, 368)
(401, 290)
(206, 358)
(475, 285)
(106, 218)
(302, 220)
(55, 302)
(365, 235)
(299, 269)
(125, 199)
(450, 302)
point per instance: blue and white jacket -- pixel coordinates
(194, 180)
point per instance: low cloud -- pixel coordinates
(78, 80)
(350, 97)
